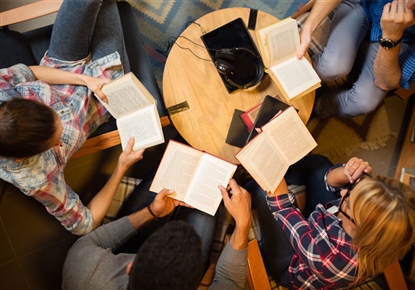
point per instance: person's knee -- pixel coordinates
(334, 70)
(363, 104)
(330, 66)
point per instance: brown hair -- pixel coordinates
(26, 128)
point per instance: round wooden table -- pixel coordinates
(206, 123)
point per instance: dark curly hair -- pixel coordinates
(171, 258)
(26, 127)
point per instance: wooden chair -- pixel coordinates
(108, 135)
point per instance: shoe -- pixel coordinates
(241, 176)
(323, 107)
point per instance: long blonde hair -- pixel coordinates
(384, 212)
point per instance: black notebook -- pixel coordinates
(231, 35)
(269, 108)
(237, 133)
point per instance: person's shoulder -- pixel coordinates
(29, 174)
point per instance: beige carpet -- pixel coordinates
(340, 137)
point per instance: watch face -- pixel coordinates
(386, 43)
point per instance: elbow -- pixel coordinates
(387, 85)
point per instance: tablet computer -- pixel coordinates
(231, 35)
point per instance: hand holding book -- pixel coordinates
(278, 45)
(135, 110)
(282, 141)
(193, 175)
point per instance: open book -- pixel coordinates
(278, 44)
(283, 141)
(135, 110)
(193, 175)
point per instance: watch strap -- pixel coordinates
(394, 43)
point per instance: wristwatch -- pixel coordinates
(387, 43)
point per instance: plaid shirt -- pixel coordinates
(42, 176)
(325, 258)
(374, 10)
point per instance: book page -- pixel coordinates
(290, 136)
(295, 76)
(203, 192)
(125, 95)
(282, 41)
(176, 169)
(144, 125)
(265, 164)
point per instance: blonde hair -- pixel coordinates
(384, 212)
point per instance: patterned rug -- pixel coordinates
(338, 138)
(159, 20)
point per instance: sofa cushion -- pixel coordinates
(39, 40)
(14, 49)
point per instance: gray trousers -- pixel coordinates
(348, 54)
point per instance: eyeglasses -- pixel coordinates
(349, 188)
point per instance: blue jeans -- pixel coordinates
(276, 248)
(203, 223)
(88, 26)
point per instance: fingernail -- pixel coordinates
(171, 191)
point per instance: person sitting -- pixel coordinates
(388, 56)
(341, 243)
(48, 111)
(170, 258)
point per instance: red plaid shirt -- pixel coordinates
(42, 176)
(324, 256)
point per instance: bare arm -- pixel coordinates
(396, 17)
(281, 189)
(101, 202)
(55, 76)
(320, 10)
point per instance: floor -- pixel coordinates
(383, 160)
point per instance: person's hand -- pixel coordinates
(305, 40)
(128, 157)
(95, 85)
(396, 17)
(259, 130)
(162, 204)
(238, 202)
(355, 167)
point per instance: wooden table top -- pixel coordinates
(187, 78)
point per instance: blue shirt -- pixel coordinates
(374, 10)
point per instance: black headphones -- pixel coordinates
(241, 67)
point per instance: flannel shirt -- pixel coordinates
(42, 176)
(374, 10)
(325, 258)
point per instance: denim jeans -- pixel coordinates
(203, 223)
(88, 26)
(276, 248)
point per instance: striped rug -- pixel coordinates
(160, 20)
